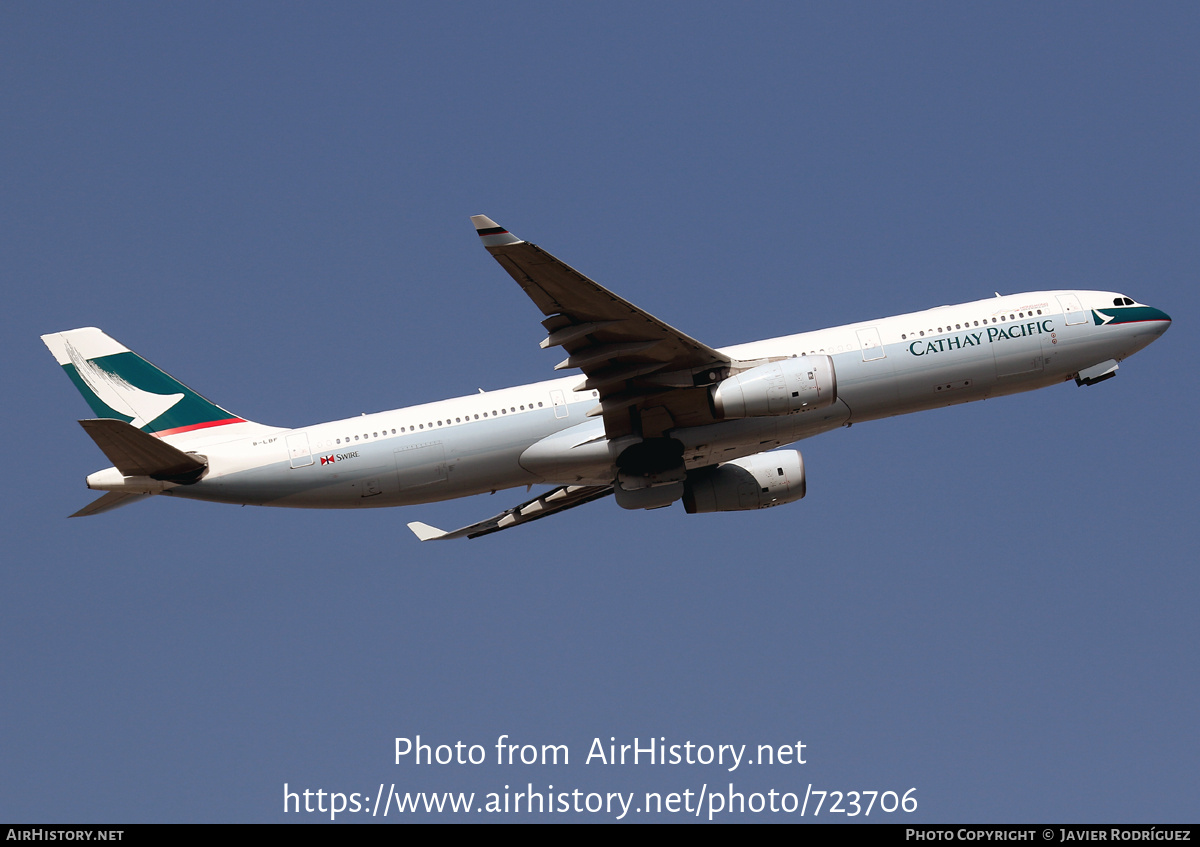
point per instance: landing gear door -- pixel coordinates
(298, 451)
(1072, 309)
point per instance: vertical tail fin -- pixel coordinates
(118, 383)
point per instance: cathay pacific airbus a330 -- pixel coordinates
(656, 417)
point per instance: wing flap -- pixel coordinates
(552, 502)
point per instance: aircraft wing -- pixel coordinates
(557, 500)
(649, 375)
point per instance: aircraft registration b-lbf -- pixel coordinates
(657, 416)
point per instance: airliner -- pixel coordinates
(653, 416)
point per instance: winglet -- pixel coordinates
(425, 532)
(491, 233)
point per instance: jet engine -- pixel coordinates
(792, 385)
(755, 482)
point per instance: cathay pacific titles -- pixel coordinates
(971, 339)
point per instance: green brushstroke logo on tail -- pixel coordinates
(127, 387)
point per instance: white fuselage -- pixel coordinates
(540, 433)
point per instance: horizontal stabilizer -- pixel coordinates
(552, 502)
(111, 500)
(136, 453)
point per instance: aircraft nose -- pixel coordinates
(1160, 318)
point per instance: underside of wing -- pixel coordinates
(552, 502)
(650, 377)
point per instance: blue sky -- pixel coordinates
(993, 603)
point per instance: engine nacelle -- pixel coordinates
(755, 482)
(778, 388)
